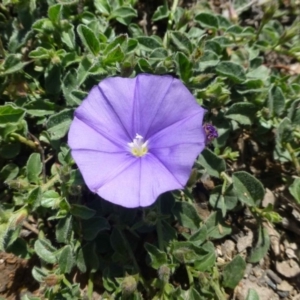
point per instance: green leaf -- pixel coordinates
(58, 124)
(82, 211)
(124, 12)
(50, 199)
(54, 13)
(34, 167)
(117, 242)
(248, 189)
(114, 55)
(187, 215)
(68, 37)
(207, 20)
(53, 79)
(275, 101)
(10, 114)
(89, 39)
(208, 59)
(213, 164)
(39, 53)
(162, 12)
(35, 197)
(223, 201)
(66, 260)
(64, 229)
(9, 172)
(39, 274)
(10, 150)
(181, 41)
(262, 246)
(148, 43)
(284, 133)
(45, 251)
(12, 64)
(233, 272)
(92, 227)
(199, 236)
(252, 295)
(186, 252)
(40, 108)
(184, 67)
(87, 258)
(294, 112)
(242, 112)
(231, 70)
(216, 226)
(262, 73)
(294, 189)
(158, 258)
(207, 260)
(102, 6)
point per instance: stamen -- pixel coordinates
(138, 147)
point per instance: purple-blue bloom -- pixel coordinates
(135, 138)
(211, 132)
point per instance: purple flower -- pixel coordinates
(211, 132)
(134, 139)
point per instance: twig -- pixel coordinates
(30, 227)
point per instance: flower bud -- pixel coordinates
(128, 285)
(18, 217)
(52, 280)
(211, 132)
(150, 218)
(164, 273)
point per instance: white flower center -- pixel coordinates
(138, 147)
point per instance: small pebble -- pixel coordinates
(274, 276)
(270, 283)
(284, 286)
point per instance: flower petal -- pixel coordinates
(98, 168)
(162, 101)
(140, 184)
(119, 93)
(178, 145)
(82, 136)
(98, 114)
(149, 96)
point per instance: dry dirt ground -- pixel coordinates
(15, 277)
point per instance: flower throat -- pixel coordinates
(138, 147)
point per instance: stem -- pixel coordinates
(23, 140)
(159, 228)
(217, 290)
(293, 156)
(50, 183)
(129, 250)
(225, 177)
(190, 276)
(170, 21)
(90, 286)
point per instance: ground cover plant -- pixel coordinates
(239, 210)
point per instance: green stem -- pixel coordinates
(50, 183)
(225, 177)
(170, 21)
(217, 290)
(159, 227)
(90, 286)
(129, 250)
(293, 156)
(23, 140)
(190, 276)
